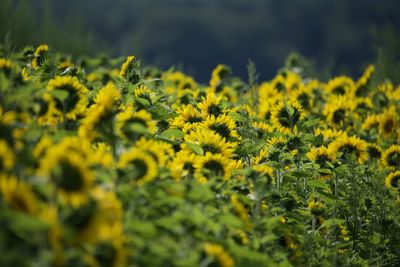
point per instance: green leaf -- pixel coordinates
(237, 117)
(375, 239)
(196, 148)
(230, 220)
(172, 133)
(143, 101)
(331, 222)
(317, 184)
(60, 94)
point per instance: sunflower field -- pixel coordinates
(104, 162)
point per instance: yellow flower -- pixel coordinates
(68, 170)
(140, 166)
(6, 65)
(349, 145)
(391, 157)
(18, 194)
(76, 101)
(361, 87)
(338, 111)
(182, 165)
(388, 122)
(218, 74)
(210, 105)
(219, 253)
(188, 118)
(7, 156)
(223, 125)
(393, 180)
(38, 56)
(128, 116)
(210, 142)
(321, 155)
(285, 116)
(316, 207)
(341, 85)
(211, 165)
(125, 67)
(372, 121)
(159, 150)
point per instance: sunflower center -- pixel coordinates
(374, 152)
(210, 148)
(105, 254)
(214, 109)
(395, 181)
(339, 116)
(18, 202)
(221, 129)
(194, 119)
(394, 159)
(339, 90)
(321, 160)
(80, 218)
(388, 126)
(215, 167)
(141, 168)
(304, 100)
(188, 166)
(70, 178)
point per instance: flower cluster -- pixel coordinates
(106, 163)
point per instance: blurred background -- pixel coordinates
(337, 37)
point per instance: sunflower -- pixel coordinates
(262, 129)
(109, 248)
(223, 125)
(362, 85)
(39, 56)
(304, 96)
(345, 146)
(105, 101)
(374, 151)
(285, 116)
(139, 165)
(96, 221)
(339, 111)
(261, 158)
(126, 65)
(159, 150)
(391, 157)
(74, 104)
(188, 118)
(182, 165)
(241, 211)
(211, 165)
(128, 119)
(210, 142)
(316, 206)
(7, 156)
(211, 105)
(6, 65)
(388, 122)
(371, 122)
(266, 106)
(218, 75)
(219, 254)
(321, 155)
(341, 85)
(18, 194)
(69, 172)
(393, 180)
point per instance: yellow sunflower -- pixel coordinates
(339, 111)
(74, 104)
(388, 122)
(159, 150)
(125, 67)
(7, 156)
(6, 65)
(70, 174)
(39, 56)
(182, 165)
(105, 101)
(139, 165)
(210, 142)
(223, 125)
(188, 118)
(371, 122)
(241, 211)
(362, 85)
(285, 116)
(211, 165)
(345, 146)
(128, 118)
(392, 181)
(374, 151)
(18, 194)
(211, 105)
(262, 128)
(321, 155)
(219, 254)
(391, 157)
(341, 85)
(218, 74)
